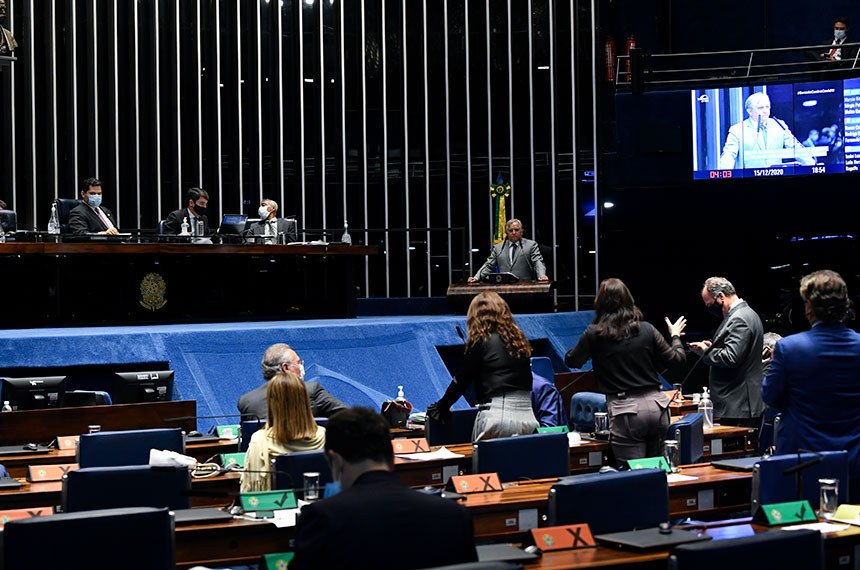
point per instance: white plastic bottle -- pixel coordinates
(706, 408)
(345, 237)
(401, 397)
(184, 227)
(54, 222)
(6, 407)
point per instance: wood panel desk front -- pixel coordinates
(42, 426)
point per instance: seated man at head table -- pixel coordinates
(90, 217)
(271, 227)
(516, 255)
(196, 203)
(375, 521)
(281, 358)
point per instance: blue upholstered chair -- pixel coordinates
(611, 502)
(290, 467)
(129, 486)
(246, 429)
(64, 208)
(582, 408)
(458, 428)
(130, 447)
(767, 431)
(542, 366)
(771, 483)
(535, 456)
(689, 432)
(772, 549)
(4, 474)
(131, 539)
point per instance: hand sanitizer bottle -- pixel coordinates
(345, 237)
(184, 228)
(706, 408)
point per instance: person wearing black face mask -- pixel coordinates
(734, 357)
(196, 201)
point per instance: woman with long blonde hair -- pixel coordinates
(290, 427)
(498, 363)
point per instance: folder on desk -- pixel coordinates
(200, 516)
(650, 538)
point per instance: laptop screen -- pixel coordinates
(233, 223)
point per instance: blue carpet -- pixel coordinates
(361, 361)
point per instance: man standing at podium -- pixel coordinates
(516, 255)
(90, 217)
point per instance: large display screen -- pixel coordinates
(776, 130)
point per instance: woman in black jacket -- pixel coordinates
(627, 355)
(498, 363)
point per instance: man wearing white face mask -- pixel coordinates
(837, 51)
(90, 217)
(277, 359)
(271, 226)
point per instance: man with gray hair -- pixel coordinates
(734, 355)
(271, 227)
(516, 255)
(759, 140)
(277, 359)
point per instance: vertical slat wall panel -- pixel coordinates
(361, 158)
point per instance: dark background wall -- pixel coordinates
(398, 120)
(667, 232)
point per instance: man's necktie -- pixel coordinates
(513, 252)
(104, 219)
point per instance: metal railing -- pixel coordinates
(640, 70)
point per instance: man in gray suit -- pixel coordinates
(515, 255)
(271, 227)
(734, 355)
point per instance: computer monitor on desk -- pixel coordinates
(144, 386)
(34, 393)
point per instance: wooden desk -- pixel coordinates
(17, 465)
(53, 284)
(231, 543)
(216, 491)
(511, 513)
(43, 426)
(523, 297)
(730, 441)
(586, 457)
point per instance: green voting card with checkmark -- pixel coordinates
(268, 501)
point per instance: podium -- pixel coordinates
(523, 297)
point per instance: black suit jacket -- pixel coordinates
(735, 364)
(286, 226)
(84, 220)
(323, 404)
(373, 525)
(173, 223)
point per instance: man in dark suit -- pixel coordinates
(371, 523)
(196, 202)
(515, 255)
(837, 53)
(814, 377)
(271, 226)
(90, 217)
(277, 359)
(734, 356)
